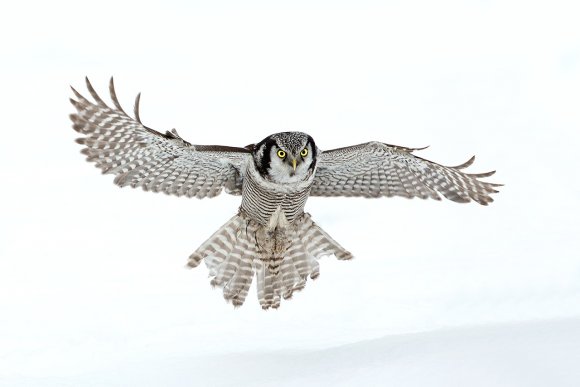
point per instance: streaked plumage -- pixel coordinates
(271, 236)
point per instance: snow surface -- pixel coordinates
(538, 354)
(93, 289)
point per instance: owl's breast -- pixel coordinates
(261, 198)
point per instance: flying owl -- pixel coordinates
(270, 236)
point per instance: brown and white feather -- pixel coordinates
(142, 157)
(376, 169)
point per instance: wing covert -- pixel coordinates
(376, 169)
(142, 157)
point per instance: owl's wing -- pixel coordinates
(142, 157)
(376, 169)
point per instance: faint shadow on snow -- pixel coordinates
(545, 353)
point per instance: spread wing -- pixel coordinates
(142, 157)
(375, 169)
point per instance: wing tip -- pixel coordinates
(136, 107)
(76, 93)
(483, 174)
(465, 164)
(93, 93)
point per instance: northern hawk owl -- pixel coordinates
(270, 236)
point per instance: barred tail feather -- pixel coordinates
(236, 289)
(235, 252)
(218, 246)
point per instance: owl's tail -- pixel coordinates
(235, 252)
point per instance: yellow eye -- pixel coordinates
(304, 152)
(281, 154)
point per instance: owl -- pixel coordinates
(270, 237)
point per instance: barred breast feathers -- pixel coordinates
(261, 198)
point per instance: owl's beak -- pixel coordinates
(294, 164)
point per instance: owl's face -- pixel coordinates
(286, 157)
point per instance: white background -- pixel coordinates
(93, 289)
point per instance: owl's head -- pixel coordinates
(286, 157)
